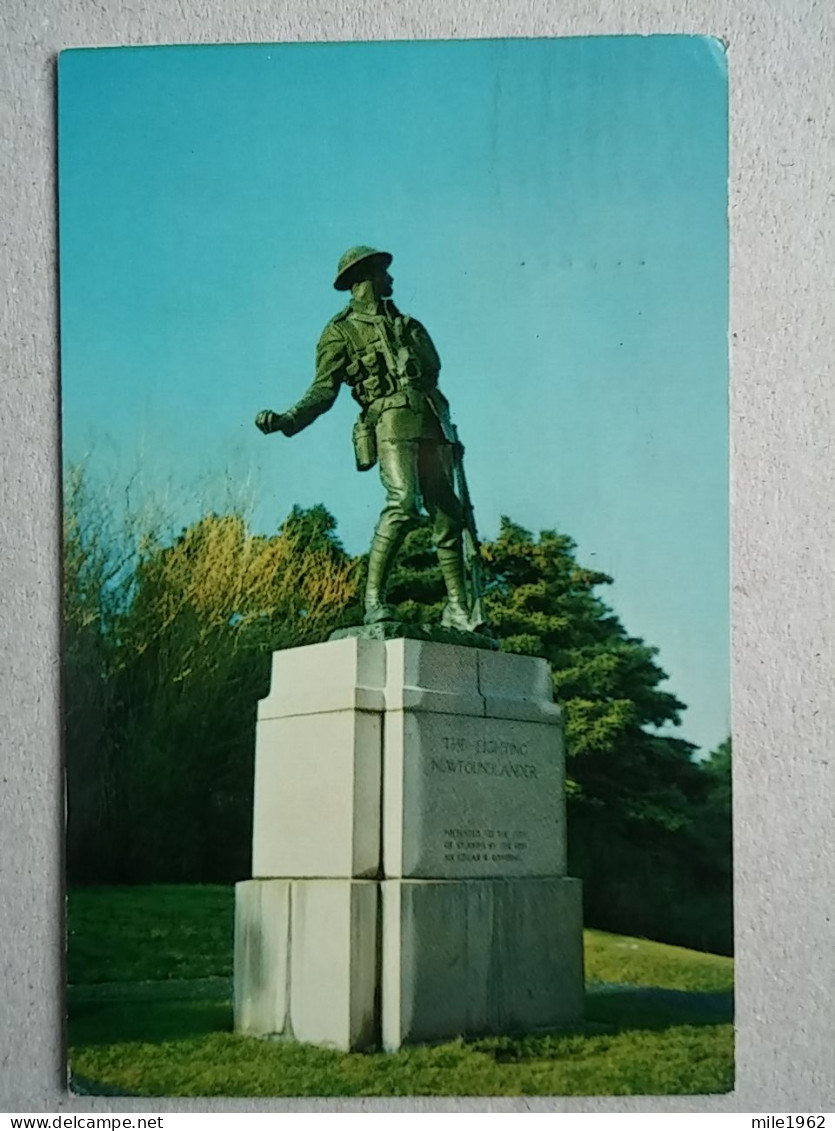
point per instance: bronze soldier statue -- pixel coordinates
(391, 367)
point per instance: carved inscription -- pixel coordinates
(494, 846)
(487, 757)
(479, 761)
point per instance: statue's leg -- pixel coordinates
(444, 507)
(399, 474)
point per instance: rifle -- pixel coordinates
(472, 546)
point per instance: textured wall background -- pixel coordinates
(781, 213)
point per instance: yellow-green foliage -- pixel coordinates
(228, 578)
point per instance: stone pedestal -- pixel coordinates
(318, 750)
(474, 957)
(306, 960)
(409, 850)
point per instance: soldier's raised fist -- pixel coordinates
(269, 421)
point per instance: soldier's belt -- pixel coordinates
(411, 397)
(395, 400)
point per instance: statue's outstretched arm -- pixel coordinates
(331, 360)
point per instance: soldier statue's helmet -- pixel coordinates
(355, 263)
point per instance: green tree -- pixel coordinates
(713, 824)
(718, 768)
(95, 565)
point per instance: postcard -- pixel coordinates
(394, 405)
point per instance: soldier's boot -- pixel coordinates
(456, 612)
(380, 560)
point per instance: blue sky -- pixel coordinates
(557, 214)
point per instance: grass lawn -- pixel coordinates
(150, 1014)
(137, 934)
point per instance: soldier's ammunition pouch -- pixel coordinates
(365, 444)
(383, 376)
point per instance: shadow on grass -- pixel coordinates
(146, 1022)
(153, 1019)
(653, 1009)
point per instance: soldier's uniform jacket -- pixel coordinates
(391, 366)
